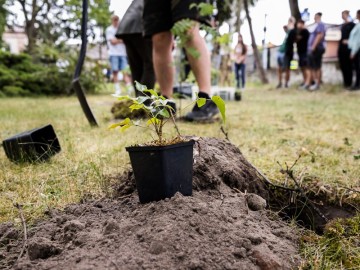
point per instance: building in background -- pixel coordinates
(15, 39)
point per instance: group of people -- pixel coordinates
(143, 38)
(311, 47)
(145, 33)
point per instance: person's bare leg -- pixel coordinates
(164, 70)
(317, 77)
(308, 77)
(116, 82)
(287, 77)
(201, 66)
(303, 71)
(279, 71)
(115, 77)
(314, 75)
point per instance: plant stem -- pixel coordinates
(160, 130)
(174, 122)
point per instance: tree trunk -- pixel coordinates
(294, 8)
(30, 20)
(253, 44)
(238, 18)
(29, 30)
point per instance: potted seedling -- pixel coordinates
(162, 166)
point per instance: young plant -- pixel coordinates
(159, 111)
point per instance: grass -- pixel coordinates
(269, 126)
(338, 248)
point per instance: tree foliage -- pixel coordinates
(51, 21)
(49, 71)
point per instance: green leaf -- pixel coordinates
(193, 5)
(221, 106)
(153, 121)
(136, 107)
(124, 98)
(201, 102)
(125, 127)
(114, 126)
(206, 9)
(125, 124)
(142, 99)
(164, 112)
(140, 87)
(152, 92)
(193, 52)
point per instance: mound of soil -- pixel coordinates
(219, 227)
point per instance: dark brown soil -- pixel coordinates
(222, 226)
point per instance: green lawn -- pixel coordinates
(269, 126)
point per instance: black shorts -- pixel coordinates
(303, 59)
(287, 62)
(315, 58)
(160, 15)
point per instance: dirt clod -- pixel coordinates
(110, 226)
(255, 202)
(42, 248)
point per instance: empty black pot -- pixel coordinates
(33, 145)
(161, 171)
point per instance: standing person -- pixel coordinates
(117, 52)
(289, 48)
(316, 49)
(302, 37)
(159, 17)
(240, 57)
(138, 48)
(344, 51)
(286, 52)
(280, 58)
(354, 45)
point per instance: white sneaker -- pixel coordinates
(314, 87)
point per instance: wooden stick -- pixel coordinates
(18, 206)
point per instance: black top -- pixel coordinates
(302, 38)
(345, 34)
(132, 23)
(289, 44)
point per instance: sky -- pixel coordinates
(277, 15)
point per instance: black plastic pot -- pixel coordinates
(238, 96)
(161, 171)
(33, 145)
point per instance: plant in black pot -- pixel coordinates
(162, 166)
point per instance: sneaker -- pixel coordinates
(354, 88)
(206, 112)
(286, 85)
(172, 104)
(279, 86)
(304, 87)
(314, 87)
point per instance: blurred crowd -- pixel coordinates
(310, 46)
(146, 45)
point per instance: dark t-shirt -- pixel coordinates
(345, 34)
(289, 45)
(302, 38)
(131, 23)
